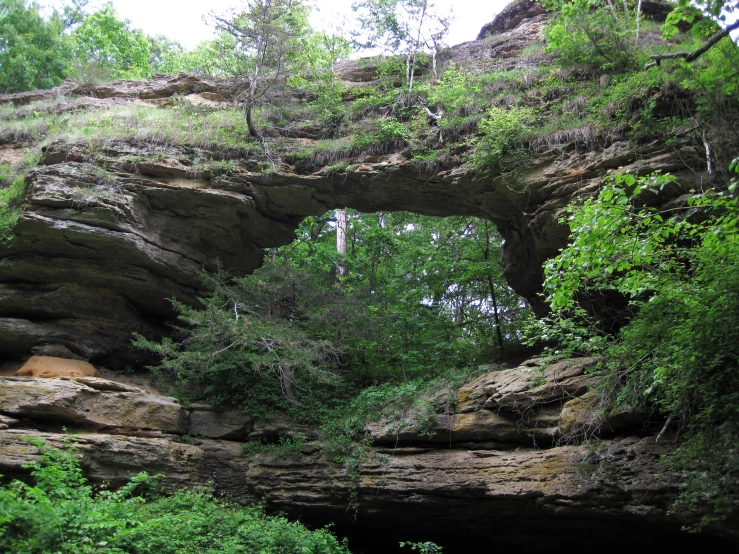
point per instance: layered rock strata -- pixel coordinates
(109, 233)
(498, 465)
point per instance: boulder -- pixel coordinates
(271, 430)
(56, 351)
(209, 421)
(537, 382)
(49, 367)
(69, 402)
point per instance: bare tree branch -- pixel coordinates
(695, 54)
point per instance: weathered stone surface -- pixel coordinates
(69, 402)
(511, 17)
(537, 382)
(484, 473)
(106, 239)
(55, 351)
(270, 430)
(111, 458)
(6, 422)
(161, 86)
(47, 367)
(510, 494)
(208, 421)
(524, 405)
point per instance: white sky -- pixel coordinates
(182, 20)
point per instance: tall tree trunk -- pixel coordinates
(250, 100)
(497, 319)
(416, 46)
(250, 122)
(341, 225)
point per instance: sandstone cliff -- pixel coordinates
(112, 228)
(499, 467)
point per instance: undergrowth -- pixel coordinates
(61, 512)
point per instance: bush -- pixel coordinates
(243, 352)
(591, 32)
(12, 191)
(680, 351)
(61, 513)
(502, 130)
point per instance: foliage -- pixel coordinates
(13, 186)
(319, 55)
(161, 48)
(11, 196)
(27, 42)
(591, 32)
(383, 135)
(106, 45)
(679, 277)
(61, 513)
(421, 295)
(501, 131)
(406, 26)
(427, 547)
(242, 352)
(267, 36)
(285, 448)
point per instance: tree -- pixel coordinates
(708, 20)
(267, 35)
(591, 32)
(341, 223)
(34, 52)
(211, 58)
(679, 352)
(161, 49)
(408, 26)
(315, 71)
(107, 45)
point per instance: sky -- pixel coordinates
(182, 20)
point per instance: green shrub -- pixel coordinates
(680, 351)
(61, 513)
(591, 32)
(235, 353)
(501, 132)
(382, 135)
(10, 201)
(285, 448)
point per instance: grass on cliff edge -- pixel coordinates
(13, 188)
(60, 512)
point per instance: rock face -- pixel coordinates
(110, 232)
(492, 476)
(87, 267)
(90, 403)
(48, 366)
(512, 16)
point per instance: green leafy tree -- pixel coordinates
(210, 58)
(162, 48)
(410, 27)
(679, 351)
(243, 349)
(315, 71)
(106, 47)
(34, 51)
(710, 23)
(267, 37)
(592, 32)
